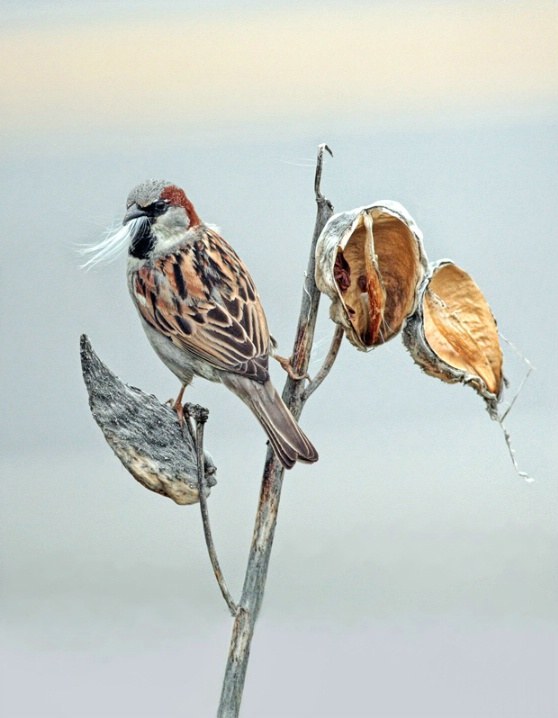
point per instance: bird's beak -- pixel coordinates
(133, 212)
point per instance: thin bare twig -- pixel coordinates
(270, 493)
(200, 416)
(328, 363)
(318, 176)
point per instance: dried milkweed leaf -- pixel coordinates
(143, 433)
(370, 263)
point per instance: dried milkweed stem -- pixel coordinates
(328, 362)
(270, 493)
(200, 415)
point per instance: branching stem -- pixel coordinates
(270, 493)
(328, 363)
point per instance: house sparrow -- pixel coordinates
(201, 311)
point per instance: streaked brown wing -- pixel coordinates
(203, 299)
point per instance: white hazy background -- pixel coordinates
(413, 572)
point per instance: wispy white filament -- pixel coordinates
(500, 419)
(108, 249)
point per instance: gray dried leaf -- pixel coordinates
(143, 433)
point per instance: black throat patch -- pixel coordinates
(143, 241)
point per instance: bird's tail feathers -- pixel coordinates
(289, 442)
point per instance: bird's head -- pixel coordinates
(164, 214)
(158, 217)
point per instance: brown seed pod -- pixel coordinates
(453, 335)
(370, 262)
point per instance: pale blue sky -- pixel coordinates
(411, 564)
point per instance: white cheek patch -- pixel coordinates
(108, 249)
(170, 229)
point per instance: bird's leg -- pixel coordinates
(177, 405)
(288, 367)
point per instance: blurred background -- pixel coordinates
(413, 573)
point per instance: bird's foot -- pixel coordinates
(180, 414)
(288, 367)
(177, 406)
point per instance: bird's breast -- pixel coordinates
(181, 362)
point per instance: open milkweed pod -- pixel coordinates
(453, 335)
(143, 433)
(370, 262)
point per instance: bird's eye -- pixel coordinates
(160, 205)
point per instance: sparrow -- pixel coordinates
(201, 311)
